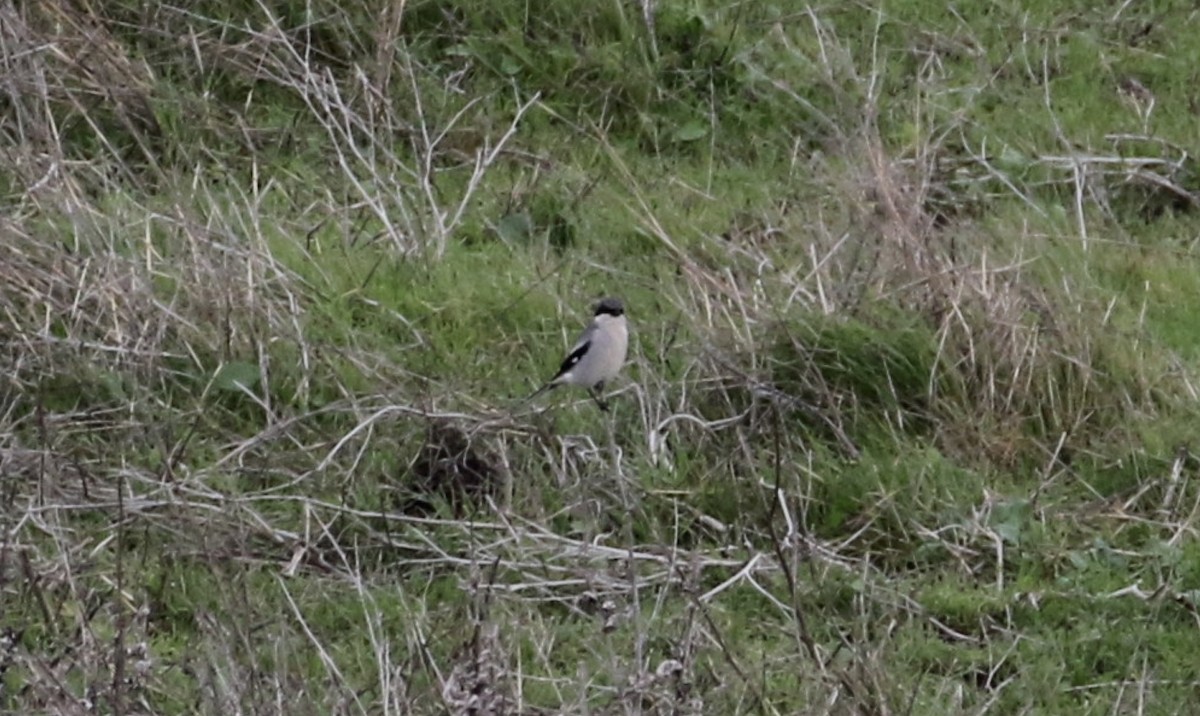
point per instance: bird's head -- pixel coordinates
(610, 307)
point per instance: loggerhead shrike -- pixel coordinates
(598, 354)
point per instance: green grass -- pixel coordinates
(902, 430)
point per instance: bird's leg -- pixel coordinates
(595, 392)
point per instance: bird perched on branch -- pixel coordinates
(597, 355)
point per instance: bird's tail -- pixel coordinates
(544, 389)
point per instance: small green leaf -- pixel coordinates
(236, 377)
(1008, 519)
(113, 385)
(1009, 531)
(1012, 160)
(515, 227)
(509, 65)
(690, 131)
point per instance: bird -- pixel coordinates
(597, 355)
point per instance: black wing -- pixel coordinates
(573, 359)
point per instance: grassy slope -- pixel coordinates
(912, 361)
